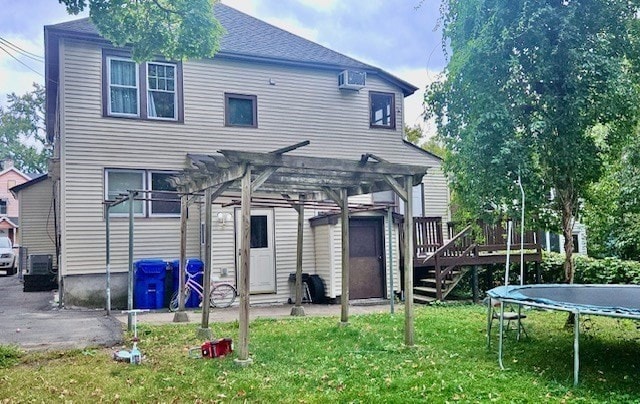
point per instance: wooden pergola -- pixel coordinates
(295, 179)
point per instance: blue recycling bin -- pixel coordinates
(149, 284)
(194, 265)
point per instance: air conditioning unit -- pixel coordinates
(352, 80)
(41, 264)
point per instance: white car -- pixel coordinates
(8, 262)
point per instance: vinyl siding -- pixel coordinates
(37, 231)
(304, 104)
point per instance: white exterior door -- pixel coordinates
(262, 278)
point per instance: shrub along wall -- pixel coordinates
(588, 270)
(591, 270)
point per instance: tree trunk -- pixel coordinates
(567, 232)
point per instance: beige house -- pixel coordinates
(9, 215)
(118, 125)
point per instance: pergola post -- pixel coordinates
(408, 262)
(297, 309)
(181, 316)
(245, 268)
(344, 300)
(204, 332)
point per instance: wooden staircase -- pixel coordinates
(439, 267)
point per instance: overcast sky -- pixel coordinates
(399, 36)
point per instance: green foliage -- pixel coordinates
(314, 360)
(175, 29)
(9, 356)
(22, 135)
(413, 134)
(591, 270)
(612, 206)
(525, 84)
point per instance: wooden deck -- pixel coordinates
(439, 266)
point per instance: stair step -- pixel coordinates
(424, 290)
(423, 299)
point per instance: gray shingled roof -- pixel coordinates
(250, 37)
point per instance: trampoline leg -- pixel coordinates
(489, 323)
(501, 335)
(519, 322)
(576, 347)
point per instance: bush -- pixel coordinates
(9, 355)
(591, 270)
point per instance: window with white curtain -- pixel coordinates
(161, 91)
(123, 87)
(151, 90)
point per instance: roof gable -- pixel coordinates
(249, 37)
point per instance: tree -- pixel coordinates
(526, 83)
(175, 29)
(612, 207)
(22, 131)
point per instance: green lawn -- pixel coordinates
(315, 360)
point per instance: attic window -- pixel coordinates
(382, 110)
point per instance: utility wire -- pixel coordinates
(22, 51)
(20, 61)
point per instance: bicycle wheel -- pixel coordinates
(173, 304)
(222, 295)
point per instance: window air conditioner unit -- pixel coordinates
(41, 264)
(351, 80)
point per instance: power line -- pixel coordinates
(22, 51)
(20, 61)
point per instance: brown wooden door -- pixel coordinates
(366, 260)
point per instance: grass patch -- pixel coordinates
(314, 360)
(9, 355)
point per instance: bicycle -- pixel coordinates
(222, 294)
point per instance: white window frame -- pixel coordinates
(149, 190)
(175, 90)
(109, 85)
(106, 189)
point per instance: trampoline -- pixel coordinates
(602, 300)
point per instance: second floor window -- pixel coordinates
(161, 91)
(151, 90)
(241, 110)
(3, 206)
(123, 88)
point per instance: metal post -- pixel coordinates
(108, 262)
(391, 267)
(576, 347)
(132, 195)
(500, 341)
(474, 285)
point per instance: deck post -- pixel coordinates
(245, 268)
(408, 263)
(204, 332)
(297, 309)
(344, 299)
(180, 316)
(474, 285)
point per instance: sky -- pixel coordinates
(401, 37)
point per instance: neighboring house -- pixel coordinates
(38, 214)
(553, 242)
(118, 125)
(9, 216)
